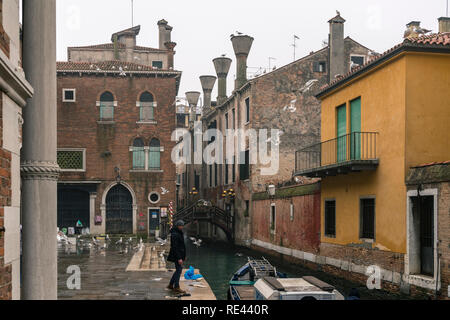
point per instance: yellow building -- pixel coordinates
(380, 120)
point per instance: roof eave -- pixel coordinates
(407, 47)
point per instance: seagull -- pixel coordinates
(239, 33)
(291, 107)
(120, 241)
(121, 72)
(224, 55)
(107, 238)
(164, 190)
(161, 241)
(308, 85)
(353, 65)
(420, 30)
(275, 140)
(198, 243)
(338, 13)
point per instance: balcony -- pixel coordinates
(354, 152)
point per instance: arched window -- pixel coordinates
(155, 155)
(147, 107)
(138, 154)
(107, 106)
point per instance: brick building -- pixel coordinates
(116, 114)
(281, 99)
(14, 90)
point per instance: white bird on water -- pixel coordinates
(197, 242)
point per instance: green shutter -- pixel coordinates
(138, 158)
(155, 158)
(341, 133)
(355, 106)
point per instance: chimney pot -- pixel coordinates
(207, 85)
(241, 45)
(222, 66)
(444, 24)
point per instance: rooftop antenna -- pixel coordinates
(270, 59)
(295, 43)
(132, 13)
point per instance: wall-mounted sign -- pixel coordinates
(163, 212)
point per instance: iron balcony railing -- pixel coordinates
(357, 146)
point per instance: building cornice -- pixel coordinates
(13, 82)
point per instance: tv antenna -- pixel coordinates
(132, 13)
(270, 60)
(295, 44)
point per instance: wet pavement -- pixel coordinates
(103, 276)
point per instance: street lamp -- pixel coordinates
(271, 191)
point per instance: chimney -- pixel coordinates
(222, 66)
(444, 24)
(165, 33)
(337, 47)
(241, 45)
(128, 39)
(192, 98)
(207, 85)
(170, 46)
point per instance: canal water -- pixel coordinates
(218, 261)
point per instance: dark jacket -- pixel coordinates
(177, 246)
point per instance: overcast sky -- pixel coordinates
(202, 28)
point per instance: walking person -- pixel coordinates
(177, 255)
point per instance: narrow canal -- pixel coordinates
(103, 274)
(217, 261)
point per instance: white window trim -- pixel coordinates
(74, 95)
(358, 55)
(147, 160)
(417, 279)
(84, 159)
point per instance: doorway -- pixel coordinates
(119, 211)
(422, 234)
(154, 217)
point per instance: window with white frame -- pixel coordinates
(147, 107)
(107, 105)
(71, 159)
(69, 95)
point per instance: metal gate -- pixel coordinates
(73, 205)
(119, 211)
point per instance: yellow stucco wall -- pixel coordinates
(382, 95)
(428, 108)
(407, 101)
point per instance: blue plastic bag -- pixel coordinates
(189, 274)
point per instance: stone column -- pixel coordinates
(39, 168)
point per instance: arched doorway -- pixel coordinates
(73, 206)
(119, 210)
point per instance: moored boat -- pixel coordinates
(259, 280)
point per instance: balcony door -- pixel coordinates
(355, 126)
(341, 133)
